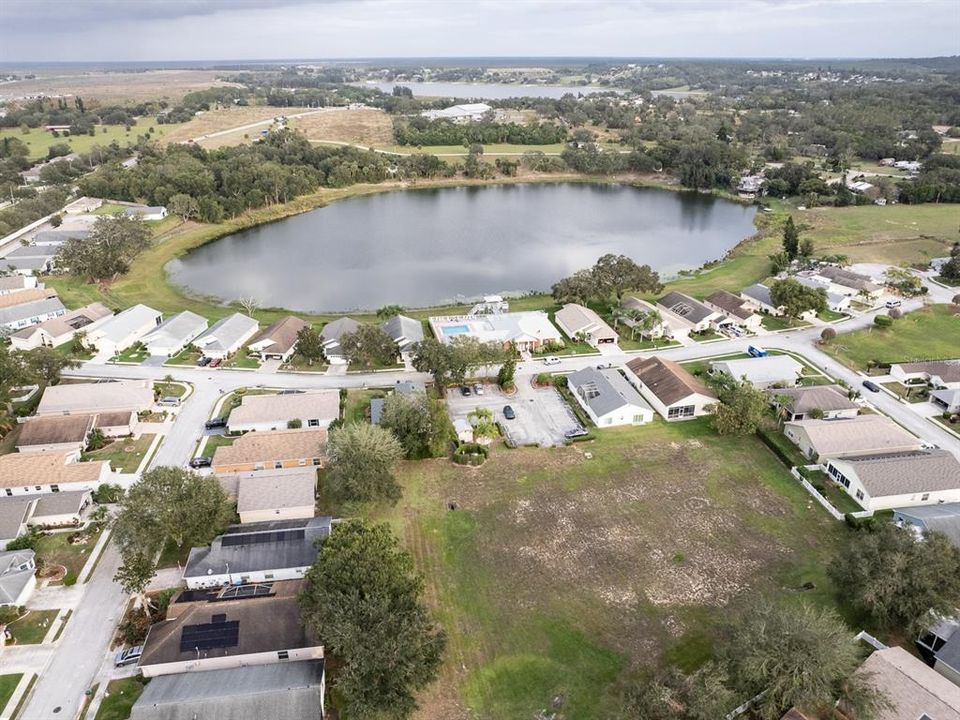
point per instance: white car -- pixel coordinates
(552, 360)
(893, 303)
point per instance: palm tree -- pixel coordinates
(618, 315)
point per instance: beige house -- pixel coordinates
(736, 310)
(31, 473)
(58, 331)
(273, 450)
(61, 509)
(662, 328)
(576, 320)
(830, 401)
(913, 690)
(672, 391)
(860, 435)
(285, 495)
(230, 629)
(279, 340)
(105, 397)
(314, 409)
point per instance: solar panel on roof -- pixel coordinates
(210, 636)
(265, 537)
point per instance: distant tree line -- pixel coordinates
(421, 131)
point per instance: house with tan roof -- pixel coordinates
(898, 479)
(671, 391)
(283, 495)
(829, 402)
(738, 312)
(63, 434)
(579, 321)
(60, 330)
(26, 296)
(103, 397)
(31, 473)
(60, 509)
(860, 435)
(913, 690)
(18, 283)
(313, 408)
(279, 340)
(272, 450)
(937, 373)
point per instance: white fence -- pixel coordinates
(834, 513)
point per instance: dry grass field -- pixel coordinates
(119, 88)
(367, 126)
(213, 121)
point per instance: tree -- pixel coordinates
(615, 274)
(184, 207)
(364, 598)
(903, 281)
(409, 418)
(96, 439)
(249, 304)
(309, 345)
(741, 408)
(134, 575)
(108, 251)
(294, 424)
(828, 334)
(578, 288)
(44, 364)
(449, 363)
(507, 373)
(796, 655)
(779, 262)
(170, 503)
(389, 311)
(791, 238)
(797, 299)
(705, 695)
(806, 248)
(361, 461)
(369, 345)
(898, 581)
(951, 269)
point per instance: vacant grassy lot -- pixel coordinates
(122, 694)
(124, 454)
(227, 118)
(32, 627)
(118, 87)
(39, 140)
(560, 575)
(368, 126)
(928, 334)
(8, 683)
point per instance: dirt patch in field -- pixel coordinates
(367, 126)
(119, 88)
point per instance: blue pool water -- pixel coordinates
(451, 330)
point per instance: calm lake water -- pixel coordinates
(420, 248)
(487, 91)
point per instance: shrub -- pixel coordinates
(544, 378)
(8, 614)
(470, 454)
(107, 493)
(24, 542)
(828, 334)
(294, 424)
(70, 579)
(883, 321)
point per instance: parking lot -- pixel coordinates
(542, 416)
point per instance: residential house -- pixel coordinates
(273, 450)
(123, 330)
(102, 397)
(836, 301)
(17, 317)
(279, 340)
(578, 321)
(608, 398)
(63, 434)
(947, 400)
(60, 509)
(405, 331)
(409, 387)
(43, 253)
(943, 518)
(940, 647)
(282, 691)
(828, 402)
(26, 296)
(257, 553)
(913, 691)
(761, 372)
(18, 579)
(235, 628)
(15, 512)
(860, 435)
(313, 408)
(750, 186)
(936, 373)
(672, 391)
(174, 334)
(898, 479)
(146, 212)
(331, 334)
(738, 312)
(286, 495)
(662, 328)
(32, 473)
(18, 283)
(28, 266)
(226, 336)
(847, 282)
(757, 296)
(525, 331)
(60, 330)
(683, 308)
(59, 236)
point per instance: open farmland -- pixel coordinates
(38, 140)
(116, 87)
(366, 126)
(225, 119)
(559, 574)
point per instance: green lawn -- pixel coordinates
(774, 323)
(124, 454)
(8, 683)
(830, 315)
(927, 334)
(558, 574)
(169, 389)
(171, 555)
(54, 549)
(31, 629)
(135, 354)
(358, 404)
(910, 393)
(215, 441)
(38, 140)
(120, 697)
(109, 208)
(840, 499)
(187, 356)
(241, 359)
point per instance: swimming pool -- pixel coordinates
(450, 330)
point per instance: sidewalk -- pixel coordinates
(18, 693)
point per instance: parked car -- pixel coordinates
(214, 423)
(200, 462)
(215, 362)
(893, 303)
(203, 362)
(605, 366)
(508, 412)
(465, 390)
(478, 389)
(757, 351)
(552, 360)
(128, 656)
(169, 400)
(871, 386)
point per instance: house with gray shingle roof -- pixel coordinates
(406, 332)
(331, 334)
(608, 398)
(684, 308)
(758, 297)
(174, 334)
(226, 336)
(17, 577)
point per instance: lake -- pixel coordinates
(420, 248)
(487, 91)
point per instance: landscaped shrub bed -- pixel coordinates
(471, 454)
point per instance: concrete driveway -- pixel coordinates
(542, 416)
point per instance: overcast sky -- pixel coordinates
(92, 30)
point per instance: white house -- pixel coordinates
(836, 301)
(96, 397)
(902, 479)
(17, 317)
(671, 391)
(405, 331)
(32, 473)
(313, 408)
(738, 313)
(243, 554)
(761, 372)
(577, 320)
(757, 297)
(608, 398)
(662, 328)
(146, 212)
(526, 331)
(60, 330)
(18, 579)
(683, 308)
(468, 112)
(937, 373)
(174, 334)
(846, 282)
(123, 330)
(226, 336)
(279, 340)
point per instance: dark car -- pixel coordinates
(465, 390)
(871, 386)
(508, 412)
(217, 422)
(203, 362)
(200, 462)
